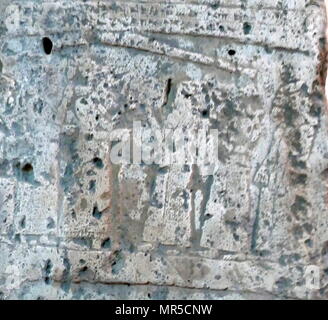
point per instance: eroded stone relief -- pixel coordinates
(75, 225)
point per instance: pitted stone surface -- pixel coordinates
(75, 225)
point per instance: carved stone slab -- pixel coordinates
(73, 224)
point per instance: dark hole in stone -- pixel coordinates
(47, 269)
(89, 136)
(168, 90)
(47, 45)
(98, 163)
(169, 86)
(83, 271)
(51, 223)
(106, 244)
(221, 28)
(231, 52)
(23, 222)
(247, 28)
(216, 5)
(204, 113)
(96, 213)
(27, 168)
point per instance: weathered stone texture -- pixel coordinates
(74, 225)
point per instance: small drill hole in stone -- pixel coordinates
(27, 168)
(204, 113)
(47, 45)
(231, 52)
(98, 163)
